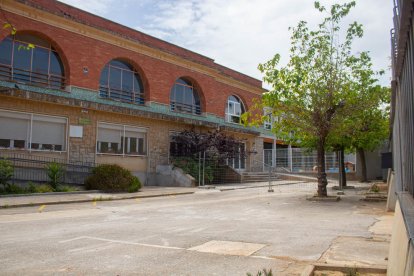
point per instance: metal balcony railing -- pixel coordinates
(8, 72)
(187, 108)
(121, 95)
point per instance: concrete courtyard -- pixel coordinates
(205, 233)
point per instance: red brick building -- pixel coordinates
(79, 87)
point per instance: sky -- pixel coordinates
(240, 34)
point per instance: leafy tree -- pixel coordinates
(369, 122)
(365, 119)
(6, 173)
(308, 93)
(190, 143)
(56, 173)
(372, 131)
(188, 146)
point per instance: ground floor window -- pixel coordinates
(32, 131)
(121, 139)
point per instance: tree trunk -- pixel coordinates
(322, 181)
(361, 155)
(342, 173)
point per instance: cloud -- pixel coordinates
(240, 34)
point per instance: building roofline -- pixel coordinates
(83, 17)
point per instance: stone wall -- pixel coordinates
(84, 149)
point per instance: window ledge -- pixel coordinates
(121, 155)
(32, 150)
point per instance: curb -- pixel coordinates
(110, 198)
(52, 193)
(91, 200)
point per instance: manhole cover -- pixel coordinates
(229, 248)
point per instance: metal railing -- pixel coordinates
(122, 95)
(403, 104)
(187, 108)
(8, 72)
(34, 168)
(298, 160)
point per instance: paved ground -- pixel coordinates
(85, 196)
(205, 233)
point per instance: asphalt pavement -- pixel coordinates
(207, 232)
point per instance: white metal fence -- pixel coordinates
(299, 160)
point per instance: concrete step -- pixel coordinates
(257, 174)
(259, 178)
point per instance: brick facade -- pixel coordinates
(86, 43)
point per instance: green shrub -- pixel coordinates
(44, 188)
(375, 188)
(135, 185)
(14, 189)
(6, 172)
(66, 188)
(192, 167)
(111, 178)
(31, 187)
(55, 172)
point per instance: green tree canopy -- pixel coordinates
(310, 95)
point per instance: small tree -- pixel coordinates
(192, 143)
(6, 173)
(55, 172)
(189, 145)
(371, 131)
(309, 92)
(364, 120)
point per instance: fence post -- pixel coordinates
(274, 153)
(204, 164)
(340, 157)
(290, 158)
(199, 168)
(270, 190)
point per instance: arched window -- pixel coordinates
(119, 81)
(32, 60)
(184, 97)
(234, 109)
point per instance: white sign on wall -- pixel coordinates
(76, 131)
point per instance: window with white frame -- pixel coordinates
(234, 109)
(121, 139)
(32, 131)
(268, 120)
